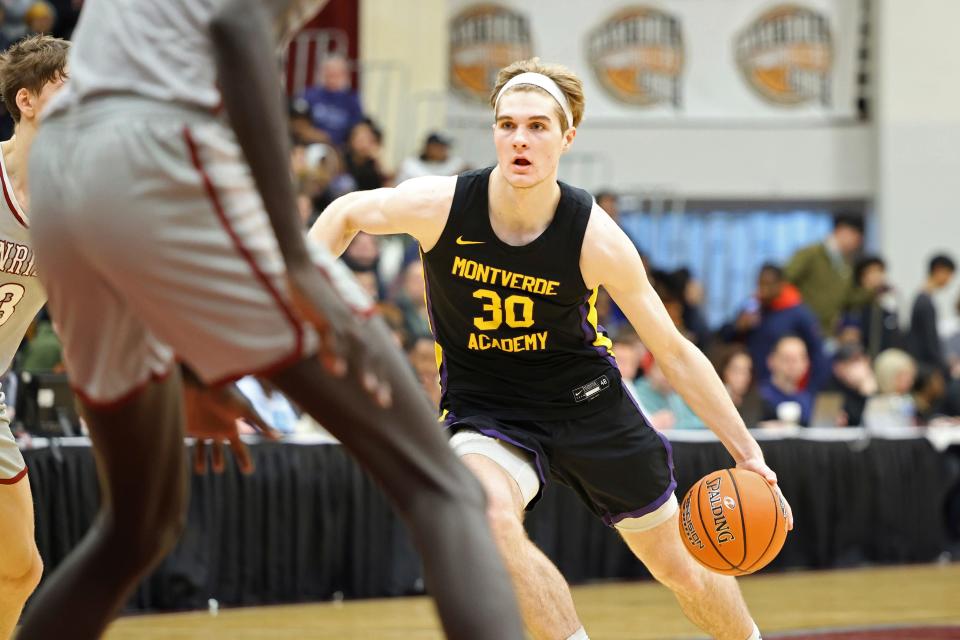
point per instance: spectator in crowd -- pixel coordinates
(735, 368)
(785, 400)
(923, 339)
(68, 12)
(434, 160)
(411, 299)
(43, 353)
(363, 254)
(929, 393)
(823, 274)
(661, 404)
(609, 202)
(952, 346)
(853, 377)
(775, 311)
(421, 352)
(630, 354)
(361, 157)
(14, 27)
(327, 112)
(692, 298)
(6, 36)
(314, 167)
(270, 404)
(40, 18)
(893, 406)
(875, 318)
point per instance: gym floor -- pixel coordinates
(915, 602)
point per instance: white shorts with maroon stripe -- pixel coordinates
(153, 244)
(12, 466)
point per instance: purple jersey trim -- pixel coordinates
(590, 335)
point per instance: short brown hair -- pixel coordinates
(30, 64)
(566, 79)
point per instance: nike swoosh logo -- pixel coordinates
(460, 240)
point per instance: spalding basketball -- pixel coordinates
(733, 522)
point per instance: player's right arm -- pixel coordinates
(418, 207)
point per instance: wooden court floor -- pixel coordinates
(916, 595)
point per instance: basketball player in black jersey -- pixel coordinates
(531, 390)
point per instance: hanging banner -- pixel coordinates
(676, 60)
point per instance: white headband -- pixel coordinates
(544, 82)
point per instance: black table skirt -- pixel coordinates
(309, 525)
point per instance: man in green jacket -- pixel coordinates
(823, 272)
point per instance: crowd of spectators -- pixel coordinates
(819, 343)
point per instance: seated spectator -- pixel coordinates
(67, 12)
(434, 160)
(785, 401)
(421, 352)
(411, 299)
(629, 352)
(853, 377)
(892, 406)
(314, 168)
(876, 317)
(361, 157)
(272, 405)
(735, 368)
(40, 18)
(7, 37)
(662, 405)
(923, 338)
(775, 311)
(929, 392)
(327, 112)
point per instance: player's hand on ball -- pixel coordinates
(757, 465)
(214, 415)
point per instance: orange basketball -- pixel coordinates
(733, 522)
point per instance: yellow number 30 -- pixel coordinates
(519, 311)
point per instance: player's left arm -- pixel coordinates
(608, 258)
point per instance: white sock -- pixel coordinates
(579, 634)
(756, 633)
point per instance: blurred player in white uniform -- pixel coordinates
(31, 71)
(164, 233)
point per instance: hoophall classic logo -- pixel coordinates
(483, 39)
(786, 55)
(637, 55)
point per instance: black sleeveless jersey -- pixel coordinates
(516, 327)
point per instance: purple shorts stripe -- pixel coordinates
(612, 519)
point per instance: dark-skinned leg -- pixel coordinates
(404, 449)
(142, 468)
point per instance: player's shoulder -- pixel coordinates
(425, 196)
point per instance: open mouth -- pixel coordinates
(521, 162)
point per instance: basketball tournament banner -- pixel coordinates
(683, 60)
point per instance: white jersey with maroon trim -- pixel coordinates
(168, 39)
(21, 294)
